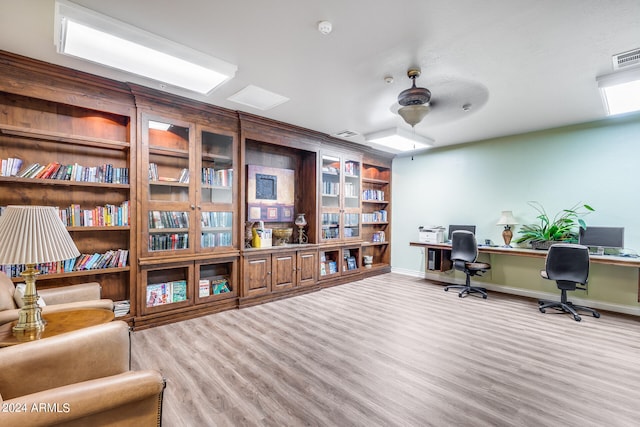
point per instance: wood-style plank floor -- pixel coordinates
(394, 350)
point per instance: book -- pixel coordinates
(220, 286)
(204, 288)
(179, 291)
(156, 294)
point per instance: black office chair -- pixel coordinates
(464, 253)
(568, 265)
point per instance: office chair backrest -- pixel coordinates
(568, 262)
(463, 246)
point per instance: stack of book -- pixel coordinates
(121, 308)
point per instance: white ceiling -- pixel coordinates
(537, 60)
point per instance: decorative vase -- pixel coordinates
(301, 222)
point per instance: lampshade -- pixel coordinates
(33, 235)
(506, 218)
(413, 114)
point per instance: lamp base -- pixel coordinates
(507, 234)
(30, 316)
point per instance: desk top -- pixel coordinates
(536, 253)
(58, 323)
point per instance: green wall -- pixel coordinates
(596, 163)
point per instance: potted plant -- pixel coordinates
(563, 227)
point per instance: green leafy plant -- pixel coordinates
(564, 226)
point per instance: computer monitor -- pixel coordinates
(452, 228)
(602, 237)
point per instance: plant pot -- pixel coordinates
(544, 245)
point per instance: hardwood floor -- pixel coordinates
(394, 350)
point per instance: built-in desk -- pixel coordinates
(445, 252)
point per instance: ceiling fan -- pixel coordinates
(456, 97)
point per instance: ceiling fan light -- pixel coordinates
(413, 114)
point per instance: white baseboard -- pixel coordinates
(598, 305)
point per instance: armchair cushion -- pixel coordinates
(18, 296)
(7, 289)
(84, 295)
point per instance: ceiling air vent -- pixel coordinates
(626, 59)
(346, 134)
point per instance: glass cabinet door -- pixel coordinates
(216, 229)
(216, 198)
(216, 172)
(330, 227)
(168, 162)
(351, 199)
(331, 182)
(167, 190)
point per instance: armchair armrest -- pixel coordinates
(71, 293)
(129, 399)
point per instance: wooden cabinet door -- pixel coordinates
(284, 271)
(307, 268)
(257, 275)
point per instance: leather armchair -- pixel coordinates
(85, 295)
(80, 378)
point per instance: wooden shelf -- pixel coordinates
(375, 181)
(41, 135)
(75, 274)
(166, 151)
(375, 223)
(378, 202)
(375, 243)
(64, 183)
(100, 228)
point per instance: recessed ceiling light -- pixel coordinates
(256, 97)
(620, 91)
(86, 34)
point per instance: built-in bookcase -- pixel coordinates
(80, 161)
(376, 216)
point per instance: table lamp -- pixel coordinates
(507, 220)
(32, 235)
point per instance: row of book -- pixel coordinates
(352, 168)
(166, 292)
(110, 259)
(215, 286)
(371, 194)
(11, 166)
(350, 190)
(379, 236)
(377, 216)
(212, 240)
(330, 188)
(154, 175)
(168, 219)
(165, 242)
(216, 219)
(100, 216)
(219, 178)
(105, 173)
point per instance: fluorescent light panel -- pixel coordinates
(85, 34)
(256, 97)
(620, 91)
(399, 139)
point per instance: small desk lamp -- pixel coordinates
(507, 220)
(31, 235)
